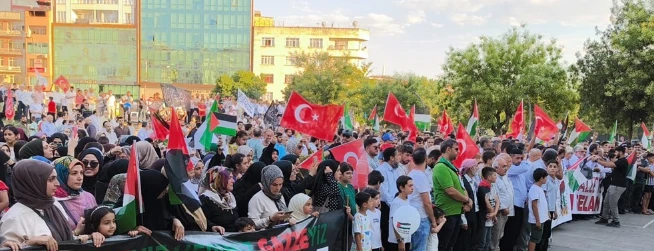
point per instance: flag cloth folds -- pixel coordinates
(347, 118)
(132, 200)
(354, 154)
(579, 134)
(207, 137)
(320, 121)
(631, 171)
(159, 126)
(467, 147)
(9, 105)
(614, 132)
(445, 124)
(646, 138)
(393, 111)
(516, 129)
(373, 114)
(473, 122)
(221, 123)
(545, 127)
(375, 125)
(176, 166)
(244, 102)
(313, 158)
(575, 177)
(423, 122)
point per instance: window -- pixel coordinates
(37, 13)
(11, 62)
(288, 79)
(268, 78)
(291, 60)
(2, 61)
(61, 16)
(315, 43)
(10, 78)
(38, 30)
(341, 45)
(128, 18)
(292, 42)
(268, 42)
(267, 60)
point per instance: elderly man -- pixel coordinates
(505, 192)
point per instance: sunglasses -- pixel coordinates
(92, 164)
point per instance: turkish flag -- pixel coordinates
(9, 105)
(545, 128)
(314, 158)
(446, 124)
(393, 112)
(410, 125)
(518, 123)
(62, 82)
(467, 147)
(320, 121)
(354, 154)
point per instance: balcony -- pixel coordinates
(94, 1)
(343, 51)
(15, 16)
(10, 33)
(11, 51)
(6, 68)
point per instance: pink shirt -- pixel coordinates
(75, 207)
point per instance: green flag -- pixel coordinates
(347, 119)
(207, 136)
(613, 132)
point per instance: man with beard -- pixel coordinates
(389, 169)
(433, 154)
(618, 186)
(513, 230)
(372, 149)
(406, 152)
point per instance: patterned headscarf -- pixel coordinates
(62, 166)
(268, 175)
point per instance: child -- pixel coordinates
(361, 226)
(244, 225)
(439, 214)
(405, 187)
(52, 108)
(101, 224)
(538, 214)
(375, 217)
(347, 190)
(551, 191)
(488, 199)
(375, 179)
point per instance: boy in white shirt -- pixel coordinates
(538, 210)
(405, 187)
(362, 226)
(375, 218)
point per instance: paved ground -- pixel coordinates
(636, 233)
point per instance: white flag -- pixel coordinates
(245, 103)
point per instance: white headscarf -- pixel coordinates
(297, 206)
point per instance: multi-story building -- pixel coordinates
(275, 48)
(12, 39)
(95, 11)
(37, 42)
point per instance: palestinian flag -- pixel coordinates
(579, 134)
(473, 122)
(203, 136)
(646, 138)
(613, 134)
(423, 122)
(159, 126)
(631, 171)
(373, 114)
(375, 125)
(221, 123)
(347, 119)
(176, 167)
(132, 202)
(575, 176)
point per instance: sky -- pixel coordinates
(413, 36)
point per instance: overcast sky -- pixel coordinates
(414, 35)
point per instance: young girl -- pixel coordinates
(439, 214)
(301, 205)
(101, 224)
(405, 187)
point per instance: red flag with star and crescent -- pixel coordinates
(354, 154)
(446, 124)
(62, 82)
(467, 147)
(393, 111)
(517, 124)
(320, 121)
(545, 128)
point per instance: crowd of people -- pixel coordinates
(62, 179)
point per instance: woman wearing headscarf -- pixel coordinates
(245, 150)
(218, 202)
(304, 179)
(81, 144)
(36, 147)
(37, 219)
(325, 192)
(267, 207)
(195, 174)
(70, 174)
(92, 160)
(248, 186)
(269, 155)
(153, 191)
(301, 207)
(107, 190)
(289, 187)
(146, 154)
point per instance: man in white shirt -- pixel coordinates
(24, 98)
(420, 200)
(69, 105)
(505, 192)
(48, 127)
(107, 131)
(111, 105)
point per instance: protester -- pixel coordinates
(218, 202)
(267, 207)
(70, 173)
(325, 191)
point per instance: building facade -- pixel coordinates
(95, 11)
(12, 39)
(275, 47)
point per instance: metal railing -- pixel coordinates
(94, 1)
(10, 15)
(11, 33)
(7, 68)
(13, 51)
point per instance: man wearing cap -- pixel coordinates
(618, 186)
(389, 141)
(346, 136)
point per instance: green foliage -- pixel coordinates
(616, 72)
(328, 80)
(501, 71)
(252, 85)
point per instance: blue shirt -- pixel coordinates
(48, 128)
(517, 177)
(257, 148)
(388, 188)
(281, 150)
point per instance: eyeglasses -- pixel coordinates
(92, 164)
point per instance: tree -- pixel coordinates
(252, 85)
(328, 80)
(616, 71)
(501, 71)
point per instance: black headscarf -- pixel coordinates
(90, 181)
(153, 183)
(247, 186)
(157, 165)
(321, 177)
(104, 176)
(266, 155)
(325, 191)
(288, 189)
(31, 149)
(4, 170)
(58, 135)
(63, 151)
(291, 157)
(81, 143)
(17, 146)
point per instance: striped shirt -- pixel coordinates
(650, 179)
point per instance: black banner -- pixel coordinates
(176, 97)
(270, 118)
(312, 234)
